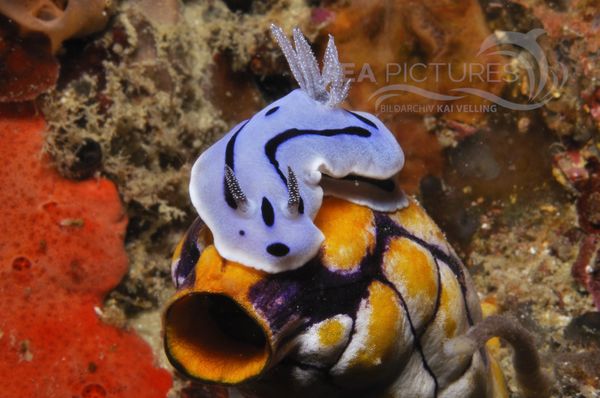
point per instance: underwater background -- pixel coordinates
(105, 105)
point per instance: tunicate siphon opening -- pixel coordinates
(212, 338)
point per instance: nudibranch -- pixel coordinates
(259, 188)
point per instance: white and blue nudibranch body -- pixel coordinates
(259, 188)
(353, 155)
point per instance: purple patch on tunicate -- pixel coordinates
(190, 253)
(312, 293)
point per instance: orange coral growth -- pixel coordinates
(61, 251)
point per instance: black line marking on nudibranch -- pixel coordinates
(272, 111)
(230, 161)
(268, 214)
(230, 149)
(363, 119)
(273, 144)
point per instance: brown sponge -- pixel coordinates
(58, 19)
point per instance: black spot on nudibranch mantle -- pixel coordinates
(272, 111)
(278, 249)
(268, 214)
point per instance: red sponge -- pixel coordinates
(61, 251)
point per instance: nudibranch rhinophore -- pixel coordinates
(259, 188)
(284, 292)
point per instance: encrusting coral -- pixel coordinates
(61, 252)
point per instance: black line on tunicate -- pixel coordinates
(413, 331)
(452, 262)
(438, 296)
